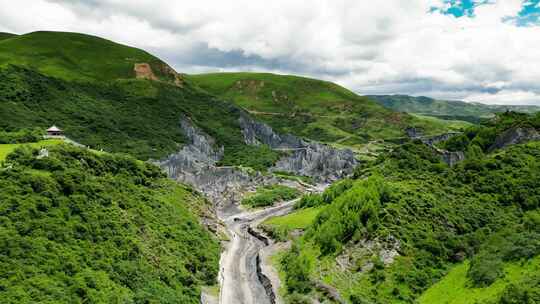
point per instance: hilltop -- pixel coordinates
(73, 56)
(6, 35)
(312, 108)
(447, 109)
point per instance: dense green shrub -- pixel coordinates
(21, 136)
(268, 195)
(297, 267)
(527, 292)
(78, 227)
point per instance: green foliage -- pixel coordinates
(297, 267)
(257, 157)
(268, 195)
(456, 143)
(508, 245)
(6, 149)
(21, 136)
(525, 292)
(80, 227)
(123, 116)
(329, 194)
(517, 286)
(484, 208)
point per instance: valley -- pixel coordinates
(241, 188)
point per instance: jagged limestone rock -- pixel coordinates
(196, 162)
(515, 136)
(322, 162)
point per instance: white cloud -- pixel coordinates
(396, 46)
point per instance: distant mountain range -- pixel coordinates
(447, 109)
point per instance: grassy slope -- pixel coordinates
(455, 287)
(450, 124)
(296, 220)
(311, 108)
(6, 35)
(123, 116)
(81, 83)
(73, 56)
(8, 148)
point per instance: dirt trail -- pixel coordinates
(239, 279)
(240, 272)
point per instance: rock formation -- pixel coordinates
(322, 162)
(515, 136)
(196, 162)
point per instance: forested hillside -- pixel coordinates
(406, 219)
(81, 227)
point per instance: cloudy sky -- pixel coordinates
(474, 50)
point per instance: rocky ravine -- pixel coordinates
(322, 162)
(241, 276)
(195, 163)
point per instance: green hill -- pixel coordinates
(312, 108)
(73, 56)
(445, 109)
(87, 86)
(6, 35)
(81, 227)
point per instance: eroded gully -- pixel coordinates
(240, 277)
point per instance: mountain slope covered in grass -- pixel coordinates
(6, 35)
(87, 86)
(311, 108)
(446, 109)
(73, 56)
(81, 227)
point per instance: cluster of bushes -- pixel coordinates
(268, 195)
(329, 194)
(77, 227)
(257, 157)
(21, 136)
(520, 242)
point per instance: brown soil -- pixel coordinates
(144, 71)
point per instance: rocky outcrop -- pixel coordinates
(322, 162)
(433, 140)
(195, 164)
(144, 71)
(256, 133)
(451, 158)
(515, 136)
